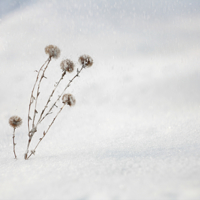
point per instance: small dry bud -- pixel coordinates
(85, 60)
(15, 121)
(53, 51)
(67, 65)
(68, 99)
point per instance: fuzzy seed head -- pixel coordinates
(86, 60)
(67, 66)
(53, 51)
(15, 121)
(68, 99)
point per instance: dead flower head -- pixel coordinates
(68, 99)
(53, 51)
(67, 65)
(15, 121)
(85, 60)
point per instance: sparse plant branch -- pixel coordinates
(32, 97)
(45, 132)
(70, 81)
(48, 101)
(38, 92)
(66, 66)
(34, 129)
(14, 144)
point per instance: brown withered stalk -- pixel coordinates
(38, 92)
(34, 129)
(49, 99)
(66, 66)
(45, 132)
(32, 97)
(68, 85)
(34, 126)
(14, 143)
(49, 112)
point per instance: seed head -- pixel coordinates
(15, 121)
(67, 65)
(53, 51)
(85, 60)
(68, 99)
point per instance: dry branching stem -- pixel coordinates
(34, 129)
(66, 66)
(14, 144)
(45, 132)
(32, 97)
(40, 120)
(57, 83)
(77, 75)
(38, 89)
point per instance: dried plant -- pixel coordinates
(15, 122)
(67, 66)
(86, 60)
(53, 51)
(67, 99)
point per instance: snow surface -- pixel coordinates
(134, 131)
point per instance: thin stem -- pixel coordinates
(78, 72)
(45, 132)
(35, 111)
(14, 144)
(32, 97)
(29, 141)
(49, 112)
(31, 132)
(57, 83)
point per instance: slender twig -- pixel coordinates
(33, 130)
(45, 132)
(36, 98)
(70, 81)
(57, 83)
(42, 118)
(32, 97)
(14, 144)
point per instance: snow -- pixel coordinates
(134, 131)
